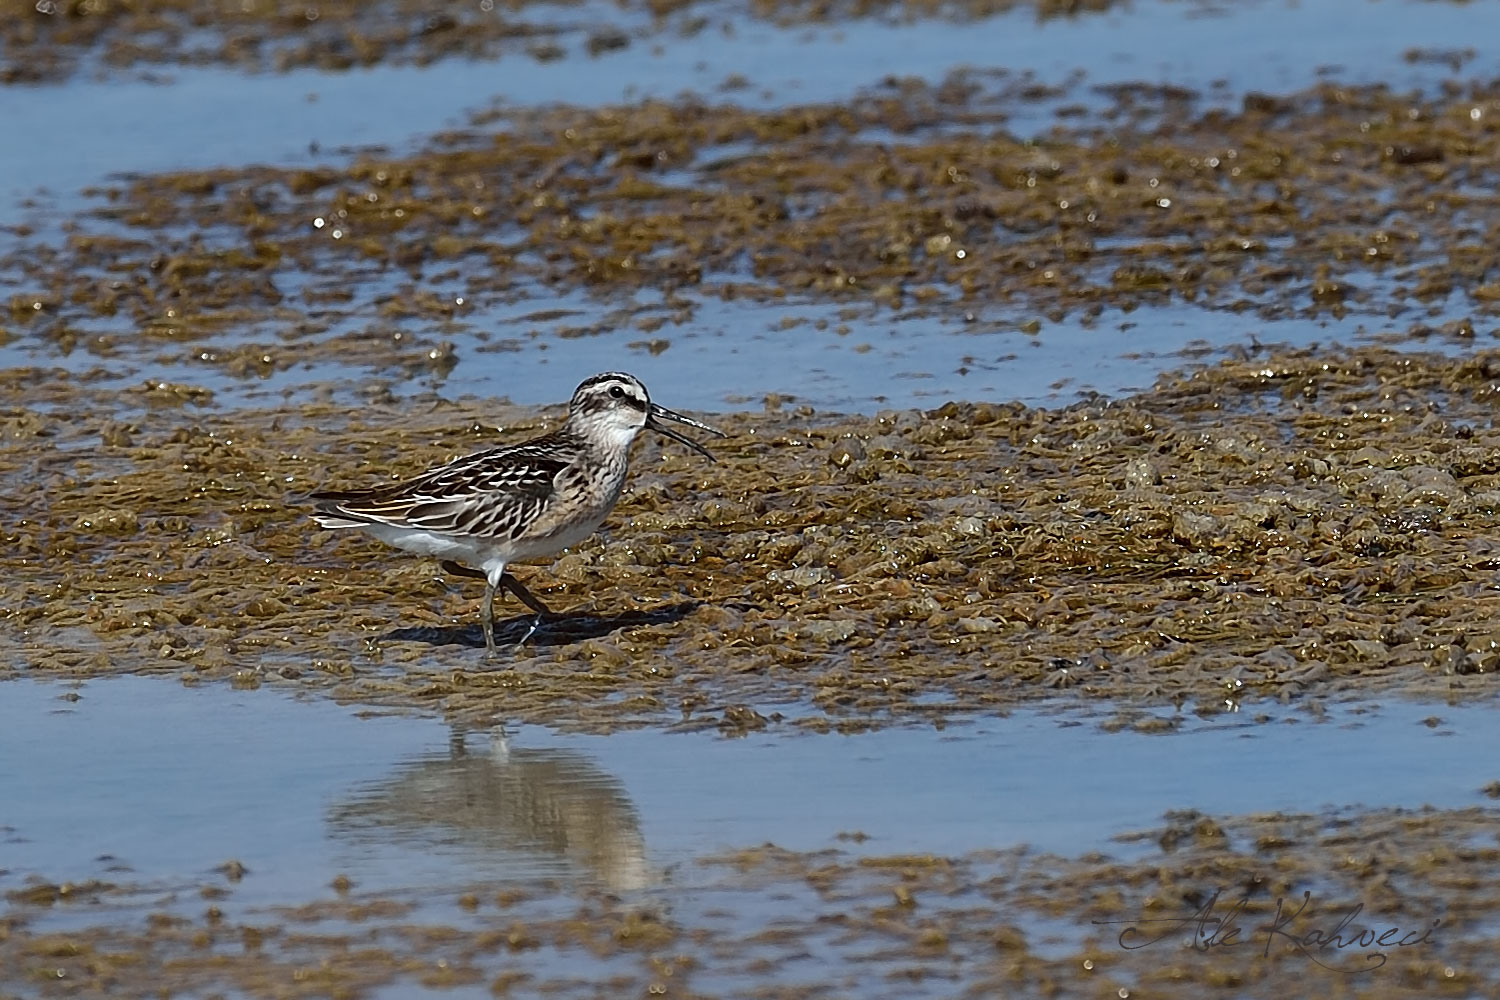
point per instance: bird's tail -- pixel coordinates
(338, 521)
(330, 512)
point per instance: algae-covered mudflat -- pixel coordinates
(1095, 594)
(1273, 528)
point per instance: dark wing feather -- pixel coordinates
(489, 494)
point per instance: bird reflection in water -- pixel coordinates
(554, 803)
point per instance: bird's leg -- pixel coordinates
(487, 620)
(454, 569)
(536, 623)
(507, 582)
(543, 613)
(526, 597)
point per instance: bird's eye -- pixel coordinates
(616, 391)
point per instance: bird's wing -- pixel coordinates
(490, 494)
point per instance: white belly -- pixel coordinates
(462, 548)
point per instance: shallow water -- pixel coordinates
(144, 779)
(734, 354)
(207, 117)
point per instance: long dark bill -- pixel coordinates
(659, 413)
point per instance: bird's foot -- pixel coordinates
(536, 623)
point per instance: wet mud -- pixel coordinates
(1275, 527)
(1390, 903)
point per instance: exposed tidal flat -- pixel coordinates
(1095, 594)
(1271, 528)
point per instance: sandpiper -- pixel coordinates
(480, 513)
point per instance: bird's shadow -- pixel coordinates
(564, 629)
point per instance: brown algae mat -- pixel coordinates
(910, 199)
(1263, 528)
(1385, 904)
(48, 40)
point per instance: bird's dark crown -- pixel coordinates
(608, 391)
